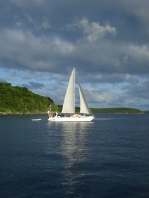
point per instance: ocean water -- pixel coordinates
(106, 158)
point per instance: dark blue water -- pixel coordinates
(107, 158)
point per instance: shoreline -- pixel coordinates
(18, 113)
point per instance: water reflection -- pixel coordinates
(75, 148)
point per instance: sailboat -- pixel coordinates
(68, 111)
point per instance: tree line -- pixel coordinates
(121, 110)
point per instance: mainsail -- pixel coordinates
(69, 101)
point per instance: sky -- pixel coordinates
(107, 41)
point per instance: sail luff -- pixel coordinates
(69, 101)
(83, 103)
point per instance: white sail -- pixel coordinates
(83, 104)
(69, 105)
(69, 101)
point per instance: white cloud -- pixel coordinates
(141, 53)
(93, 30)
(43, 24)
(32, 51)
(29, 18)
(63, 47)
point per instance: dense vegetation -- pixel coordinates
(116, 110)
(21, 100)
(146, 112)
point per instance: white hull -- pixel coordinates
(71, 119)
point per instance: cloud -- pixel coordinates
(92, 30)
(24, 49)
(43, 24)
(138, 9)
(21, 49)
(33, 85)
(106, 41)
(139, 89)
(28, 50)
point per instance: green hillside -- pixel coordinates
(116, 110)
(14, 99)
